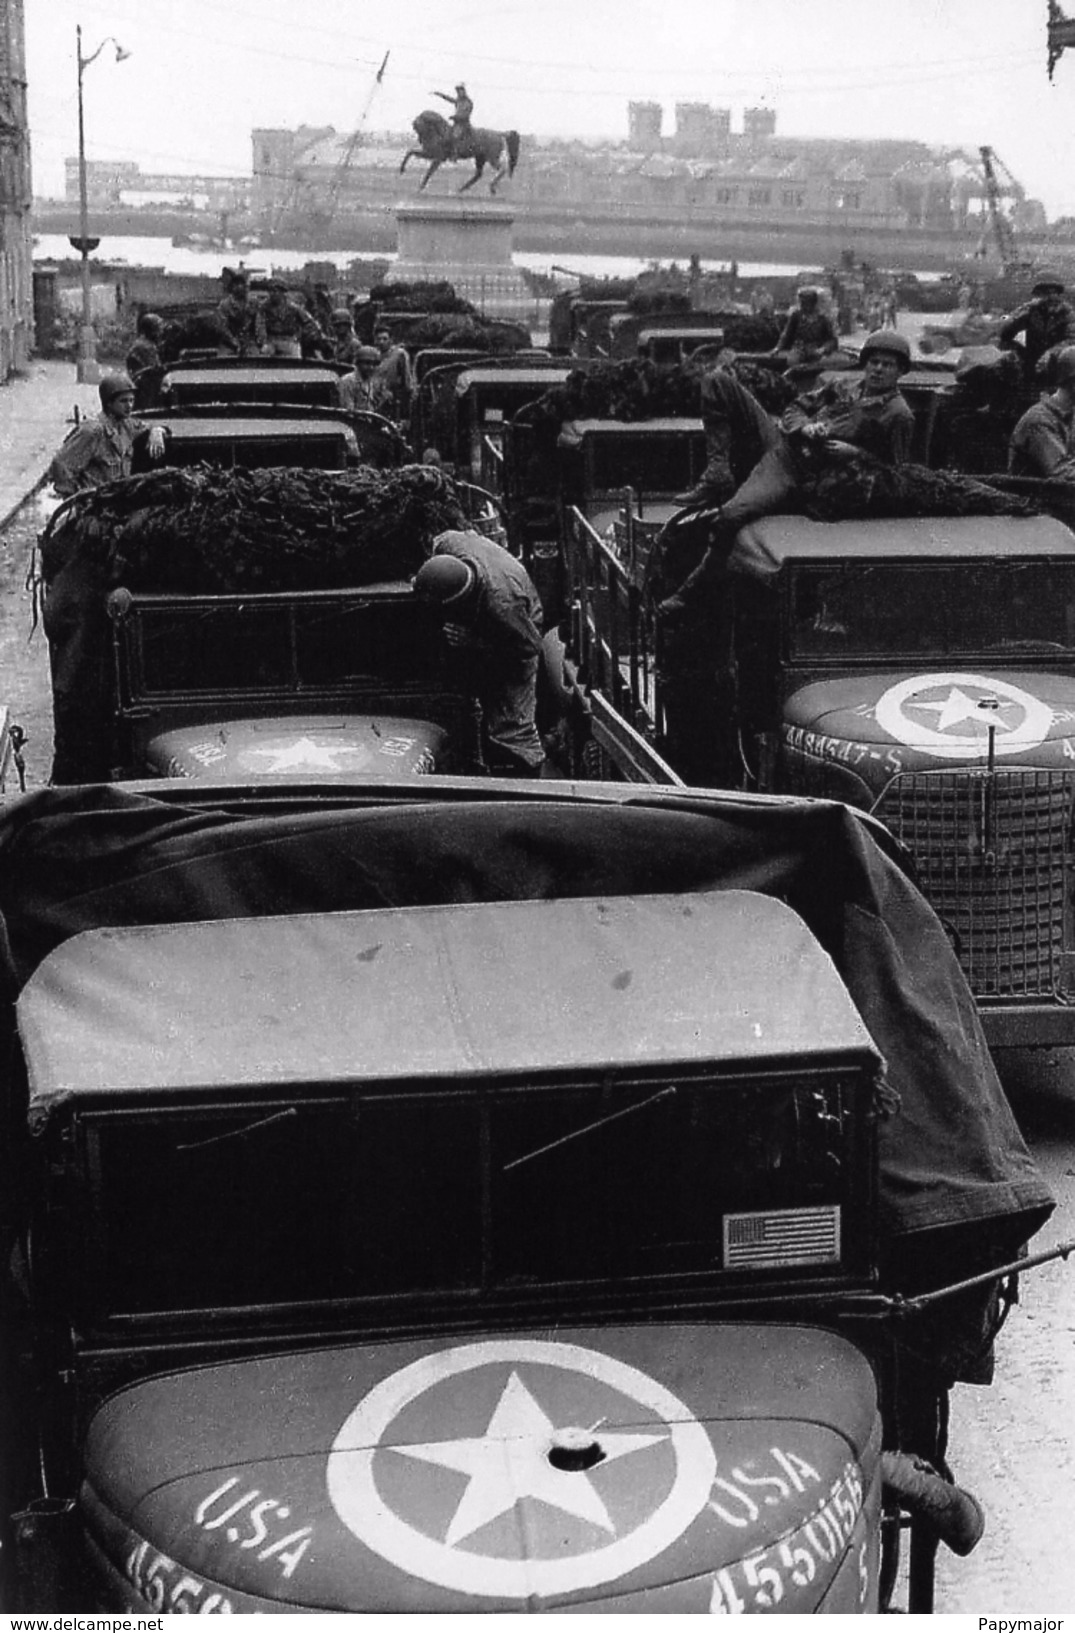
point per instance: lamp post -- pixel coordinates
(88, 371)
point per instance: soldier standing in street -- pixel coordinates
(101, 450)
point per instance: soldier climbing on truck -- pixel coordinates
(755, 467)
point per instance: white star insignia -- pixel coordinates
(304, 755)
(957, 707)
(510, 1462)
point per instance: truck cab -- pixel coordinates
(329, 684)
(291, 1080)
(925, 670)
(252, 380)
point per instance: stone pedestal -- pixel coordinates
(464, 241)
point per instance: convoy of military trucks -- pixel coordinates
(429, 1192)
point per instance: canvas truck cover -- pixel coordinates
(98, 856)
(466, 991)
(764, 548)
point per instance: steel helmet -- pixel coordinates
(1064, 367)
(443, 579)
(367, 354)
(1047, 280)
(809, 295)
(887, 340)
(113, 386)
(341, 315)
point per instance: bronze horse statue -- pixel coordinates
(437, 143)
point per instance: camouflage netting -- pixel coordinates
(206, 530)
(637, 389)
(469, 333)
(859, 487)
(633, 390)
(418, 297)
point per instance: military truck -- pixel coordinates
(252, 623)
(291, 1079)
(920, 669)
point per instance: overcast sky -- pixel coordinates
(203, 72)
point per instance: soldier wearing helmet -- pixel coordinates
(101, 450)
(765, 464)
(808, 335)
(1047, 320)
(1043, 442)
(358, 390)
(345, 342)
(492, 622)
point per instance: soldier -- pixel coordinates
(808, 335)
(463, 108)
(1047, 320)
(144, 359)
(393, 380)
(1043, 442)
(758, 468)
(241, 319)
(357, 390)
(345, 343)
(289, 329)
(101, 450)
(493, 620)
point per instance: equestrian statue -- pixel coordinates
(444, 142)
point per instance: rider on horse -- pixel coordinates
(463, 108)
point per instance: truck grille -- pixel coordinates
(991, 853)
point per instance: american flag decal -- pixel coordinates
(784, 1236)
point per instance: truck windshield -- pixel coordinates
(937, 610)
(659, 463)
(412, 1195)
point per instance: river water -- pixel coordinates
(161, 252)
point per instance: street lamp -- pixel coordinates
(88, 371)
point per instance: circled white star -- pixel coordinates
(957, 707)
(511, 1461)
(1022, 721)
(509, 1464)
(304, 754)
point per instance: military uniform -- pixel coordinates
(498, 646)
(1043, 442)
(99, 451)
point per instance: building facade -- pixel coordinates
(705, 172)
(16, 239)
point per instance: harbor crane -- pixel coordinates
(1002, 229)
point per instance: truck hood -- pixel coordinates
(635, 1465)
(913, 720)
(317, 747)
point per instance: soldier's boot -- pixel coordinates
(716, 482)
